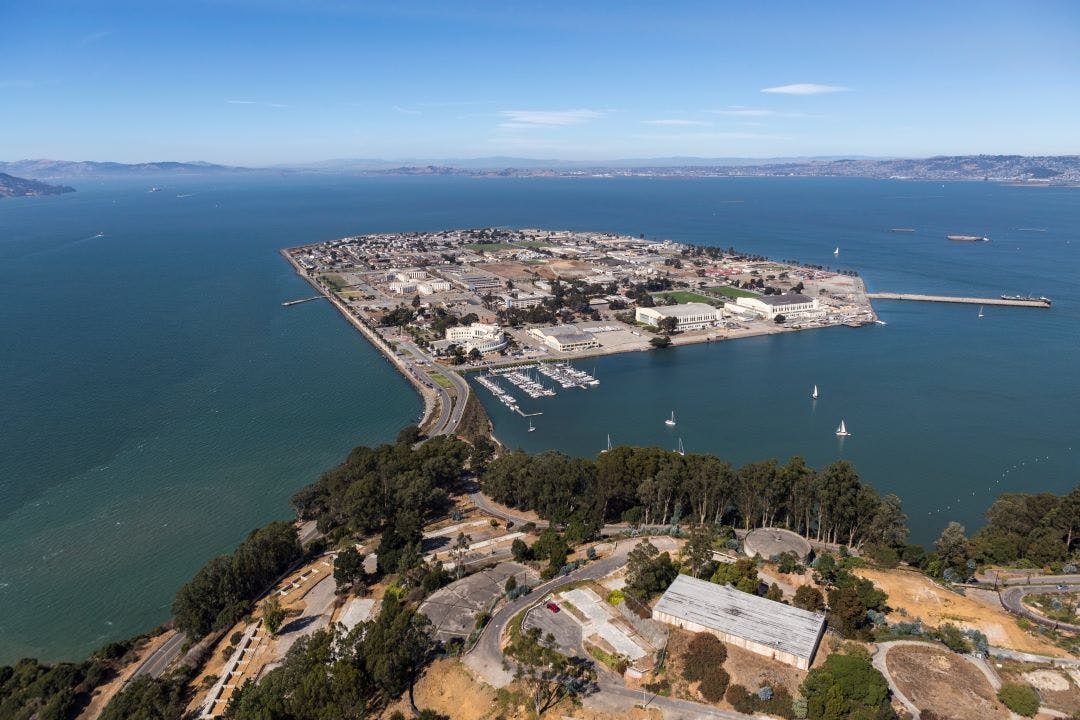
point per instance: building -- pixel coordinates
(478, 336)
(401, 287)
(523, 300)
(773, 629)
(429, 287)
(789, 305)
(690, 316)
(565, 338)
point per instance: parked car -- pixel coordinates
(552, 607)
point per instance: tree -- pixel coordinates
(648, 571)
(348, 568)
(704, 654)
(273, 614)
(952, 547)
(147, 698)
(520, 550)
(775, 593)
(846, 686)
(698, 551)
(474, 355)
(667, 325)
(847, 613)
(780, 318)
(548, 676)
(808, 597)
(458, 550)
(662, 341)
(889, 525)
(742, 574)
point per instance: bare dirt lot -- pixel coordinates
(936, 679)
(1057, 687)
(920, 598)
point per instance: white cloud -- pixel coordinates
(737, 111)
(406, 111)
(546, 118)
(805, 89)
(255, 102)
(676, 122)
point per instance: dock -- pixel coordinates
(290, 303)
(1033, 303)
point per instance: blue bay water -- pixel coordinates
(159, 403)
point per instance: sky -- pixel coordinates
(255, 82)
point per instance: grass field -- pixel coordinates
(684, 296)
(731, 292)
(442, 380)
(494, 247)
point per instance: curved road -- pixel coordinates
(1012, 599)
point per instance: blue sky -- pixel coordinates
(283, 81)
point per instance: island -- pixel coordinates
(11, 186)
(506, 301)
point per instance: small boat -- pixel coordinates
(980, 311)
(902, 230)
(842, 430)
(155, 189)
(967, 238)
(814, 393)
(670, 422)
(836, 251)
(680, 449)
(531, 428)
(608, 444)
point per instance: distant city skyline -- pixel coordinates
(262, 82)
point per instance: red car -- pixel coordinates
(552, 607)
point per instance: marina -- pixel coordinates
(527, 379)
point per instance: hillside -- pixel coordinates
(11, 186)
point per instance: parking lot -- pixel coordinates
(453, 609)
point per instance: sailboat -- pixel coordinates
(531, 428)
(608, 444)
(670, 422)
(980, 311)
(836, 251)
(680, 450)
(842, 430)
(814, 393)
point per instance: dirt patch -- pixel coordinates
(941, 681)
(447, 688)
(920, 598)
(509, 270)
(1057, 688)
(753, 671)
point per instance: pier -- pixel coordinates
(1033, 302)
(290, 303)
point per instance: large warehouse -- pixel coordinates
(690, 316)
(766, 627)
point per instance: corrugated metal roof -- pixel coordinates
(723, 608)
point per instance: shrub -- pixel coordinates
(1021, 699)
(704, 654)
(713, 687)
(741, 699)
(615, 597)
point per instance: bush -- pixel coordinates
(1021, 699)
(704, 654)
(741, 699)
(615, 597)
(713, 687)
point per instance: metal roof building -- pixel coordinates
(763, 626)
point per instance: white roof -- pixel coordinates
(683, 310)
(731, 611)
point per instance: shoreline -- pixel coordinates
(429, 398)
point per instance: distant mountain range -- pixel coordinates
(1056, 169)
(11, 186)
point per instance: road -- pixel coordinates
(451, 404)
(1012, 599)
(160, 659)
(486, 657)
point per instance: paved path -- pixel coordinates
(486, 658)
(155, 664)
(1012, 599)
(878, 661)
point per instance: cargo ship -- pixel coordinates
(967, 238)
(1027, 298)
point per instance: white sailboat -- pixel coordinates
(836, 251)
(608, 444)
(531, 428)
(670, 422)
(814, 393)
(680, 450)
(842, 430)
(980, 311)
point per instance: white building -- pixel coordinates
(478, 336)
(402, 287)
(789, 305)
(773, 629)
(690, 316)
(565, 338)
(523, 300)
(429, 287)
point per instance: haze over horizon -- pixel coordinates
(258, 83)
